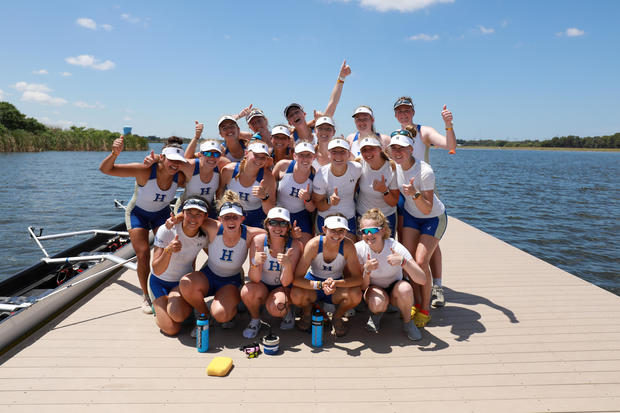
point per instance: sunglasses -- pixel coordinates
(211, 154)
(401, 132)
(372, 230)
(196, 202)
(276, 223)
(230, 205)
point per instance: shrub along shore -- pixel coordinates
(21, 134)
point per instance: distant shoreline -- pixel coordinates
(539, 148)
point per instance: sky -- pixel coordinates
(506, 69)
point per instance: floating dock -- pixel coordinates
(517, 335)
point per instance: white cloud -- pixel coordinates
(126, 118)
(485, 30)
(86, 60)
(86, 22)
(504, 24)
(571, 32)
(424, 37)
(107, 27)
(42, 97)
(31, 87)
(40, 72)
(131, 19)
(85, 105)
(402, 6)
(60, 123)
(65, 74)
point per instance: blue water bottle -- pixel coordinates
(202, 334)
(317, 328)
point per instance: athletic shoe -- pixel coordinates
(349, 313)
(329, 308)
(420, 319)
(252, 329)
(373, 323)
(147, 306)
(288, 321)
(339, 327)
(304, 322)
(437, 299)
(412, 331)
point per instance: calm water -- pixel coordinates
(562, 207)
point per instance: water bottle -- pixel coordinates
(202, 334)
(317, 328)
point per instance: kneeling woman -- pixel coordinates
(383, 260)
(273, 260)
(174, 255)
(229, 241)
(334, 276)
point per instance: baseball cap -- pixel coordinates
(338, 143)
(404, 101)
(335, 222)
(278, 212)
(174, 154)
(291, 106)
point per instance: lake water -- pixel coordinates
(560, 206)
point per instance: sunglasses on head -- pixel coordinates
(230, 205)
(211, 154)
(401, 132)
(276, 223)
(372, 230)
(195, 201)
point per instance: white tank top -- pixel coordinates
(227, 261)
(321, 269)
(325, 182)
(151, 197)
(181, 262)
(195, 186)
(385, 274)
(420, 150)
(248, 201)
(368, 198)
(288, 190)
(424, 181)
(355, 145)
(272, 269)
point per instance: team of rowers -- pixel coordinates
(320, 218)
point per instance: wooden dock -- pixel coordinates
(516, 335)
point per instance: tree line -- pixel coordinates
(19, 133)
(571, 141)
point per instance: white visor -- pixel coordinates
(224, 118)
(258, 147)
(338, 143)
(325, 120)
(174, 154)
(304, 147)
(282, 130)
(335, 222)
(232, 209)
(208, 146)
(401, 140)
(278, 212)
(362, 109)
(370, 142)
(195, 204)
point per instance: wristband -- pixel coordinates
(265, 198)
(253, 262)
(386, 193)
(402, 263)
(417, 195)
(340, 79)
(167, 250)
(450, 128)
(317, 285)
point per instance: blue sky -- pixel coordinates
(507, 69)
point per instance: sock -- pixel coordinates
(437, 281)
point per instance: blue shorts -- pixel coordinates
(159, 288)
(391, 219)
(434, 227)
(320, 221)
(139, 218)
(320, 294)
(255, 218)
(304, 221)
(216, 282)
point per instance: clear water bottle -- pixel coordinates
(317, 328)
(202, 333)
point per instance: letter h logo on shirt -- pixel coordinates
(205, 191)
(274, 266)
(327, 267)
(294, 192)
(244, 196)
(226, 255)
(159, 197)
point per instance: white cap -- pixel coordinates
(254, 113)
(401, 140)
(174, 154)
(230, 208)
(338, 143)
(194, 203)
(283, 130)
(226, 117)
(323, 120)
(278, 212)
(335, 222)
(208, 146)
(304, 146)
(258, 147)
(363, 109)
(370, 142)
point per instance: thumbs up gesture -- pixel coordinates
(150, 159)
(285, 258)
(260, 256)
(371, 264)
(295, 231)
(199, 128)
(334, 199)
(259, 191)
(447, 116)
(118, 145)
(305, 194)
(379, 185)
(394, 258)
(345, 69)
(175, 244)
(409, 189)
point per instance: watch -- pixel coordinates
(265, 198)
(417, 195)
(387, 192)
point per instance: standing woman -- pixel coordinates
(253, 181)
(295, 187)
(383, 260)
(149, 207)
(229, 240)
(174, 255)
(365, 125)
(325, 131)
(273, 260)
(334, 186)
(424, 215)
(378, 187)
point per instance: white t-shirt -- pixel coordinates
(385, 274)
(181, 262)
(325, 182)
(424, 180)
(368, 198)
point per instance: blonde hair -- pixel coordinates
(376, 215)
(412, 130)
(227, 196)
(244, 161)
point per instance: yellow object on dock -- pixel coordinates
(219, 366)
